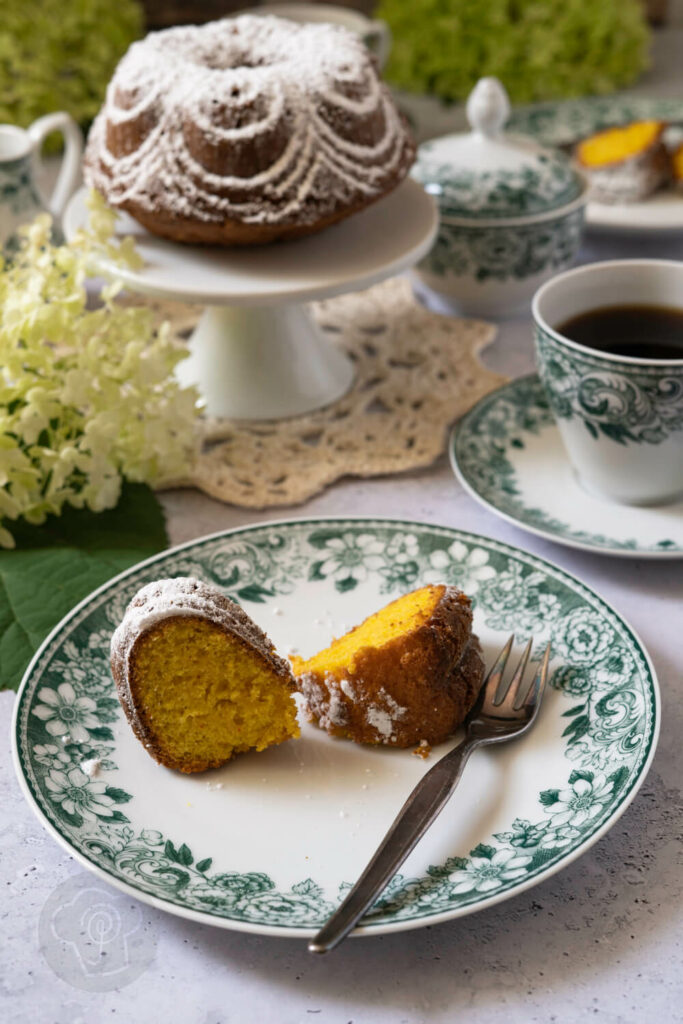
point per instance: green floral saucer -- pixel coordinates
(271, 842)
(508, 454)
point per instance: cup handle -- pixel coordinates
(70, 169)
(380, 39)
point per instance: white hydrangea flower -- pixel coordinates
(87, 396)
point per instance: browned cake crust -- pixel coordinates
(152, 608)
(246, 130)
(418, 687)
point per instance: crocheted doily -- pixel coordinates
(416, 373)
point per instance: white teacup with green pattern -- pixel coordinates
(620, 417)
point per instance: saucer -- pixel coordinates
(507, 452)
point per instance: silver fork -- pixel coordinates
(503, 711)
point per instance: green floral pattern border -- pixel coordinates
(615, 402)
(481, 195)
(66, 707)
(501, 254)
(482, 445)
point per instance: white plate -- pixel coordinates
(507, 452)
(270, 842)
(662, 212)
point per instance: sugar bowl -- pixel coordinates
(511, 210)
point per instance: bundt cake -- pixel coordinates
(408, 674)
(626, 163)
(198, 680)
(246, 130)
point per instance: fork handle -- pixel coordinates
(423, 805)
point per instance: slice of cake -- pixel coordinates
(408, 674)
(624, 164)
(198, 680)
(676, 158)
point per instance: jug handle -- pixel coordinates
(70, 170)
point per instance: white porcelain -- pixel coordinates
(621, 418)
(274, 361)
(20, 165)
(511, 210)
(661, 213)
(375, 33)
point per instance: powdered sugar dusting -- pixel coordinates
(91, 767)
(286, 95)
(383, 716)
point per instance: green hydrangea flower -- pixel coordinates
(540, 49)
(60, 55)
(87, 396)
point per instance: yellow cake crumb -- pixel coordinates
(205, 695)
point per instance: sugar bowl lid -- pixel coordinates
(486, 174)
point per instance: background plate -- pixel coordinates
(563, 124)
(271, 842)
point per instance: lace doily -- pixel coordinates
(416, 373)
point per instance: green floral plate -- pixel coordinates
(564, 123)
(272, 841)
(507, 452)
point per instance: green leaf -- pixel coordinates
(577, 774)
(307, 888)
(618, 778)
(577, 728)
(320, 538)
(254, 592)
(481, 850)
(573, 711)
(185, 856)
(119, 796)
(56, 565)
(314, 572)
(117, 816)
(346, 584)
(549, 796)
(170, 851)
(101, 732)
(204, 865)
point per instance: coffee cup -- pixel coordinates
(620, 416)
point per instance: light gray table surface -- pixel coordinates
(599, 941)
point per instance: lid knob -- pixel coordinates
(488, 107)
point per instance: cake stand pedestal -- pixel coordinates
(256, 353)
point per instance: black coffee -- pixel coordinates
(645, 332)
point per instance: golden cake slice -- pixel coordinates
(197, 679)
(626, 163)
(408, 674)
(676, 157)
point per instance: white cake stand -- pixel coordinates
(256, 353)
